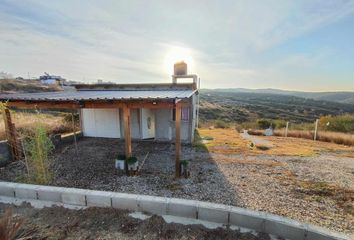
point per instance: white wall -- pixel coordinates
(166, 128)
(100, 122)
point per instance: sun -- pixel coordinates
(177, 54)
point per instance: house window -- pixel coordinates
(184, 114)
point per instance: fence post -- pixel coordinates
(286, 129)
(316, 128)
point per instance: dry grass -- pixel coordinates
(9, 226)
(332, 137)
(15, 85)
(229, 141)
(226, 141)
(268, 163)
(317, 190)
(25, 123)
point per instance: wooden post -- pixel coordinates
(286, 129)
(316, 128)
(11, 135)
(74, 131)
(178, 138)
(127, 135)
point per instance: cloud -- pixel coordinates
(128, 40)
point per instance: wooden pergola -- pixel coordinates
(126, 105)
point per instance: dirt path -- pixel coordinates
(100, 223)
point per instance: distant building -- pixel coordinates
(51, 79)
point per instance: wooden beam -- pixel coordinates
(127, 134)
(178, 138)
(93, 104)
(44, 105)
(11, 135)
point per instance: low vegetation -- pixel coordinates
(23, 85)
(241, 107)
(38, 147)
(25, 122)
(229, 141)
(318, 190)
(9, 226)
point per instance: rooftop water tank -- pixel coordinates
(180, 68)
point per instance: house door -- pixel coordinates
(147, 120)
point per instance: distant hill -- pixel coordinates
(24, 85)
(240, 105)
(341, 97)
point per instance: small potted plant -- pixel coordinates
(132, 163)
(120, 162)
(184, 168)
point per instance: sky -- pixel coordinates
(303, 45)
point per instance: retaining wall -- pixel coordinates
(218, 213)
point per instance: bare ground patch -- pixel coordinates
(106, 223)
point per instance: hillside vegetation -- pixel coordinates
(341, 97)
(238, 107)
(24, 85)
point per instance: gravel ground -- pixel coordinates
(275, 189)
(94, 169)
(104, 223)
(287, 186)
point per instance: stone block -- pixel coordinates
(151, 204)
(247, 219)
(182, 208)
(99, 199)
(125, 201)
(213, 212)
(283, 227)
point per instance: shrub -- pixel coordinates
(9, 226)
(39, 146)
(132, 160)
(264, 123)
(221, 124)
(121, 156)
(342, 123)
(185, 163)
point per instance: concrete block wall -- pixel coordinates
(5, 154)
(217, 213)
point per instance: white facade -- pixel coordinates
(155, 124)
(100, 122)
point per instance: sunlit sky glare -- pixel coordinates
(297, 45)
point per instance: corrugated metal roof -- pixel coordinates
(99, 95)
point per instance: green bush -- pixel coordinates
(342, 123)
(264, 123)
(132, 160)
(121, 156)
(185, 163)
(221, 124)
(39, 147)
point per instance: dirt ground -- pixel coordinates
(304, 180)
(105, 223)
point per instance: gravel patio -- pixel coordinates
(93, 168)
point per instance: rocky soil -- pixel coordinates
(315, 189)
(104, 223)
